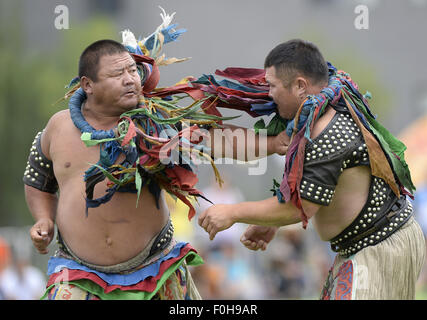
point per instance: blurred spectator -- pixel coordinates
(208, 278)
(4, 261)
(21, 281)
(420, 205)
(228, 272)
(295, 264)
(4, 254)
(286, 266)
(238, 277)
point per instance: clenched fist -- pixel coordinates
(258, 237)
(42, 234)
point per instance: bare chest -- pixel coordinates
(70, 156)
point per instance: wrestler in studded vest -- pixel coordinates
(341, 146)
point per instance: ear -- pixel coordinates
(301, 87)
(87, 85)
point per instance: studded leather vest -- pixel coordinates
(39, 170)
(341, 146)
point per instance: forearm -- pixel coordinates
(268, 212)
(239, 143)
(41, 204)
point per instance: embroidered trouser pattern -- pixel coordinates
(386, 271)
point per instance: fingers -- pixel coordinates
(210, 229)
(41, 236)
(40, 241)
(283, 150)
(206, 223)
(262, 245)
(282, 142)
(212, 234)
(250, 241)
(215, 219)
(202, 220)
(253, 245)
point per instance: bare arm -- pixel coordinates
(42, 205)
(268, 212)
(244, 144)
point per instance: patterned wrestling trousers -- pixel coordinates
(386, 271)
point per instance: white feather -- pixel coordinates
(166, 18)
(128, 39)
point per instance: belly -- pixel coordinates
(112, 233)
(350, 196)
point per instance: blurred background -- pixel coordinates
(37, 60)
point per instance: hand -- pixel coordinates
(280, 143)
(42, 234)
(216, 218)
(258, 237)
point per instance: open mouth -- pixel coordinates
(129, 93)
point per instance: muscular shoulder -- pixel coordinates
(55, 123)
(58, 119)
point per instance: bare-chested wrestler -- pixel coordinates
(117, 250)
(110, 252)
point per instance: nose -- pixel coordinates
(128, 78)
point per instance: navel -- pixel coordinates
(67, 164)
(109, 241)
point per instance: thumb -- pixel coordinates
(44, 228)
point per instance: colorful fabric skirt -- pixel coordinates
(386, 271)
(165, 276)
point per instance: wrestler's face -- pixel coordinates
(288, 98)
(118, 84)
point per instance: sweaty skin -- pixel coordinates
(118, 230)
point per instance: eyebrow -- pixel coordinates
(133, 64)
